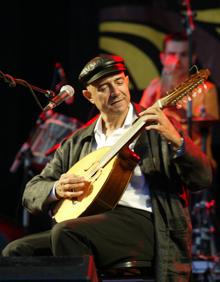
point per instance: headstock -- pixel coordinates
(186, 88)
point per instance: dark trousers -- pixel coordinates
(120, 234)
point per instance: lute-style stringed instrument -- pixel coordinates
(110, 168)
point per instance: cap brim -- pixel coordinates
(104, 73)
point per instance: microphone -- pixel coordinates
(65, 93)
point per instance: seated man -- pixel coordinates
(150, 220)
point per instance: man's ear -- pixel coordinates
(87, 94)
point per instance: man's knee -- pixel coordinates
(57, 231)
(63, 229)
(12, 249)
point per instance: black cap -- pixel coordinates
(101, 66)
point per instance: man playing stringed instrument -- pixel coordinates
(142, 159)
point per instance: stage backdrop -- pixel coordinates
(136, 31)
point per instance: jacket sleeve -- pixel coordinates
(36, 194)
(193, 167)
(36, 197)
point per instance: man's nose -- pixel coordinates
(175, 59)
(178, 59)
(114, 90)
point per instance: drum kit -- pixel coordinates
(50, 129)
(48, 135)
(203, 214)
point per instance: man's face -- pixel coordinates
(176, 57)
(111, 94)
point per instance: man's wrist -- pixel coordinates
(179, 151)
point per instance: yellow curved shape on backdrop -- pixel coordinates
(209, 16)
(140, 30)
(139, 64)
(218, 30)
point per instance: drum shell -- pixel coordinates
(49, 134)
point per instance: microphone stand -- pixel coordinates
(24, 156)
(14, 81)
(190, 27)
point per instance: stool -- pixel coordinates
(135, 271)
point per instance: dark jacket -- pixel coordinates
(170, 180)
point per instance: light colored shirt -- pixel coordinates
(137, 194)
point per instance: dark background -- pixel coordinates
(34, 36)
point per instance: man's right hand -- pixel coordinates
(72, 186)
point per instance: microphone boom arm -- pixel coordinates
(7, 78)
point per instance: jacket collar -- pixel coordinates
(88, 127)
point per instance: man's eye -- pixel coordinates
(120, 81)
(184, 54)
(102, 88)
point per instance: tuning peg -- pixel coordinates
(184, 100)
(179, 105)
(199, 90)
(194, 94)
(205, 86)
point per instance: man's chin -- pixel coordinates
(119, 108)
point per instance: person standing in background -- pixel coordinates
(175, 69)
